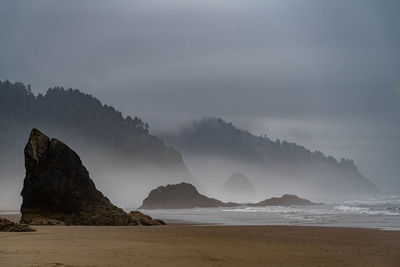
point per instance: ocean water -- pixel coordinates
(375, 212)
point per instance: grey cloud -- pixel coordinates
(311, 63)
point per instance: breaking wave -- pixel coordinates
(340, 209)
(364, 210)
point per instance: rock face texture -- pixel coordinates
(9, 226)
(238, 185)
(285, 200)
(58, 190)
(138, 218)
(180, 196)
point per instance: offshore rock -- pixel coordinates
(58, 190)
(180, 196)
(285, 200)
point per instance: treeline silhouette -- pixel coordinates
(216, 136)
(77, 118)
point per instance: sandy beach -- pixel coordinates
(201, 245)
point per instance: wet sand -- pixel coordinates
(189, 245)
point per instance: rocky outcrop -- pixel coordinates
(180, 196)
(138, 218)
(58, 190)
(285, 200)
(186, 196)
(238, 185)
(9, 226)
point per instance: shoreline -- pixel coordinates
(200, 245)
(15, 217)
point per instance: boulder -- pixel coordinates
(9, 226)
(58, 190)
(138, 218)
(180, 196)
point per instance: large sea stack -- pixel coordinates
(58, 189)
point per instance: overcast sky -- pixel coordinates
(325, 74)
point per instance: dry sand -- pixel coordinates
(189, 245)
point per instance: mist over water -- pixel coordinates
(122, 185)
(130, 186)
(127, 185)
(211, 172)
(119, 178)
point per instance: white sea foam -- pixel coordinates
(378, 200)
(364, 210)
(279, 209)
(307, 211)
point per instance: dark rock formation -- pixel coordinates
(180, 196)
(9, 226)
(58, 189)
(186, 196)
(238, 185)
(285, 200)
(138, 218)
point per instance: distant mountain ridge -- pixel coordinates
(109, 143)
(218, 137)
(81, 117)
(214, 137)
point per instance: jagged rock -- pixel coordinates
(180, 196)
(58, 190)
(138, 218)
(285, 200)
(238, 186)
(9, 226)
